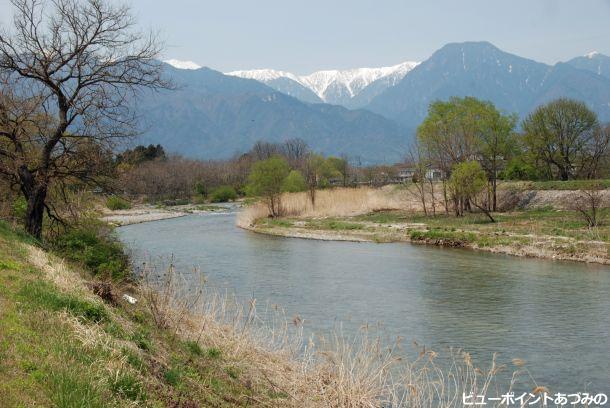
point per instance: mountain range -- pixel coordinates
(211, 115)
(337, 87)
(367, 112)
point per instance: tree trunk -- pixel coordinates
(35, 192)
(494, 185)
(445, 197)
(485, 211)
(35, 211)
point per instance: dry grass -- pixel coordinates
(337, 202)
(340, 372)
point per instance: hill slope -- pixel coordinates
(212, 115)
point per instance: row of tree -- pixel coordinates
(267, 169)
(560, 140)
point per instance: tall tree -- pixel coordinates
(341, 165)
(74, 67)
(467, 180)
(563, 134)
(266, 180)
(496, 143)
(317, 171)
(463, 129)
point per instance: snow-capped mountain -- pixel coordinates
(340, 87)
(514, 84)
(594, 62)
(182, 64)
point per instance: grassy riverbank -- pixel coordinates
(62, 345)
(543, 227)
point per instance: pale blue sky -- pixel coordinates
(303, 36)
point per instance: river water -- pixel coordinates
(554, 315)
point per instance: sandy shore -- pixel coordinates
(147, 213)
(139, 215)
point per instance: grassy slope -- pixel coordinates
(62, 346)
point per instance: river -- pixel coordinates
(554, 315)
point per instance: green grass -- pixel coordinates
(95, 247)
(437, 234)
(342, 225)
(383, 217)
(276, 222)
(43, 295)
(45, 360)
(127, 385)
(213, 353)
(117, 203)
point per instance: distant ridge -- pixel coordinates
(339, 87)
(514, 84)
(213, 115)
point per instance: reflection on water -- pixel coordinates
(554, 315)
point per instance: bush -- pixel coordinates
(20, 206)
(96, 249)
(117, 203)
(223, 194)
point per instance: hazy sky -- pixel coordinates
(303, 36)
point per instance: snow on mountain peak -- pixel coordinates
(592, 54)
(182, 64)
(263, 75)
(323, 82)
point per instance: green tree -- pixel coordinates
(467, 180)
(341, 166)
(318, 171)
(496, 143)
(294, 182)
(266, 179)
(565, 135)
(465, 129)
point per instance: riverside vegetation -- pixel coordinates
(540, 223)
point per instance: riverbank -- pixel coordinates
(537, 223)
(472, 233)
(68, 338)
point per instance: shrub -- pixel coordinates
(100, 252)
(223, 194)
(115, 203)
(20, 206)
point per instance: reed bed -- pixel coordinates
(336, 202)
(361, 371)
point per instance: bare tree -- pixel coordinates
(295, 151)
(587, 203)
(76, 66)
(264, 150)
